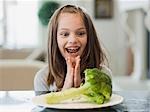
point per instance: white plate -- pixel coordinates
(76, 104)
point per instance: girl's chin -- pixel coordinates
(72, 55)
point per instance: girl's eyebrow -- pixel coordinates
(64, 29)
(82, 28)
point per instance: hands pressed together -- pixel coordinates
(73, 77)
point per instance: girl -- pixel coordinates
(73, 46)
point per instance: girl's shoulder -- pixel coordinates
(40, 80)
(43, 72)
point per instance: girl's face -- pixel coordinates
(71, 35)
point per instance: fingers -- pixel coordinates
(73, 78)
(77, 76)
(69, 62)
(68, 83)
(77, 60)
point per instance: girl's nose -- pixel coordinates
(72, 39)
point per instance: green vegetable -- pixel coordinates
(97, 88)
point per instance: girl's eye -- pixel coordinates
(65, 34)
(81, 33)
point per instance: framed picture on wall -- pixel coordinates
(103, 8)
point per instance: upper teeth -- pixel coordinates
(72, 50)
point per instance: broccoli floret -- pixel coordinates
(97, 88)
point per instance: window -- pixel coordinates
(21, 23)
(1, 23)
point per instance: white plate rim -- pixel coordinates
(40, 101)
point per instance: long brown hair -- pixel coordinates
(92, 55)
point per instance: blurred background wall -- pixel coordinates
(122, 32)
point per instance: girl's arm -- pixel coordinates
(40, 81)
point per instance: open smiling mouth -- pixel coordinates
(72, 50)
